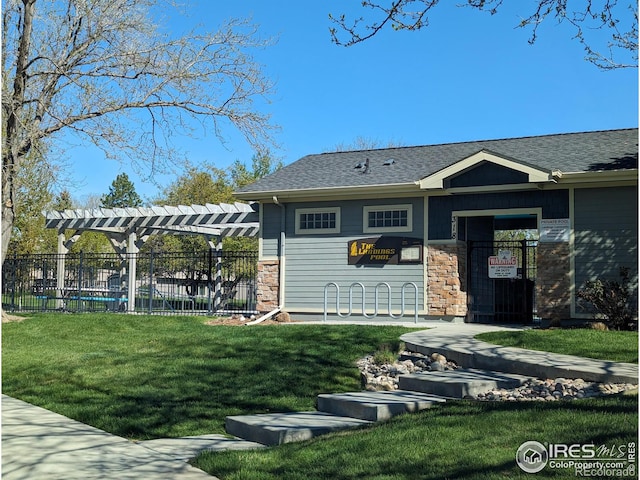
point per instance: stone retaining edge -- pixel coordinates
(496, 362)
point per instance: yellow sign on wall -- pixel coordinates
(384, 251)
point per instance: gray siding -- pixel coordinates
(312, 261)
(270, 229)
(487, 173)
(606, 234)
(554, 203)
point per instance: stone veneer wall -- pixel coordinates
(446, 279)
(553, 282)
(268, 286)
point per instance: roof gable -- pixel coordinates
(484, 168)
(485, 173)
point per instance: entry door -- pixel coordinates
(501, 281)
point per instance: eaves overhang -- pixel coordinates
(599, 177)
(327, 193)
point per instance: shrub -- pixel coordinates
(610, 299)
(283, 317)
(598, 326)
(386, 353)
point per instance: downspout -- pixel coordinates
(283, 238)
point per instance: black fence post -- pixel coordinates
(79, 301)
(151, 281)
(209, 280)
(45, 278)
(525, 280)
(217, 304)
(469, 282)
(13, 282)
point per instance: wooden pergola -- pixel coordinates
(129, 228)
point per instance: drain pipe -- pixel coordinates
(283, 238)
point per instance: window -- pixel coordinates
(387, 218)
(318, 220)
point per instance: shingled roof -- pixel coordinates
(567, 153)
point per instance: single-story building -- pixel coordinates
(485, 231)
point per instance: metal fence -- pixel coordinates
(210, 282)
(505, 296)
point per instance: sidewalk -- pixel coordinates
(455, 341)
(39, 444)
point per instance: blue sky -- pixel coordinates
(468, 76)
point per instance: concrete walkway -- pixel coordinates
(455, 341)
(39, 444)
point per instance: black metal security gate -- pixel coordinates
(501, 278)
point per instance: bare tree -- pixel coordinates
(618, 18)
(108, 72)
(365, 143)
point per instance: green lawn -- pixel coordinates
(618, 346)
(470, 440)
(152, 376)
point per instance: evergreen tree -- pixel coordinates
(62, 201)
(208, 184)
(122, 193)
(262, 164)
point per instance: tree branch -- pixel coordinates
(589, 16)
(103, 70)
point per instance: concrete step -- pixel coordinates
(277, 428)
(459, 383)
(375, 406)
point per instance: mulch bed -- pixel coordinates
(234, 321)
(239, 321)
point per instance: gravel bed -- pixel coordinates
(375, 377)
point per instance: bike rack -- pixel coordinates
(377, 298)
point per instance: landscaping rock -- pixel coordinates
(436, 357)
(436, 367)
(385, 378)
(556, 389)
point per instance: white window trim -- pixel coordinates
(385, 208)
(317, 231)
